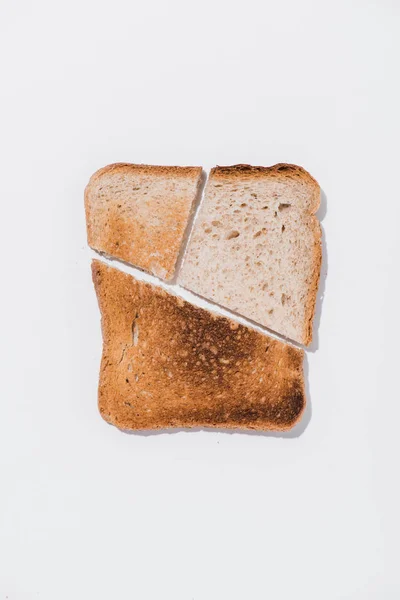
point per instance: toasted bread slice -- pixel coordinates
(167, 363)
(256, 246)
(139, 213)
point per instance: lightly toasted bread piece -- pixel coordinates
(167, 363)
(256, 246)
(139, 213)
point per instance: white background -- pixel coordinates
(89, 512)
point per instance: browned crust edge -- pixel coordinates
(142, 169)
(278, 168)
(227, 426)
(315, 278)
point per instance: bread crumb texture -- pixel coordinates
(139, 213)
(167, 363)
(256, 246)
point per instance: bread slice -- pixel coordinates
(167, 363)
(139, 213)
(256, 246)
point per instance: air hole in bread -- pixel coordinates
(284, 299)
(216, 223)
(208, 230)
(243, 205)
(232, 234)
(282, 206)
(283, 228)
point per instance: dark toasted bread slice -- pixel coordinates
(167, 363)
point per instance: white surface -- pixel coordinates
(89, 512)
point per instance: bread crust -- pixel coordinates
(280, 170)
(139, 213)
(314, 281)
(153, 170)
(167, 363)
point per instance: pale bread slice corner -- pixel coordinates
(167, 363)
(139, 213)
(256, 246)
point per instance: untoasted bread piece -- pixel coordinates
(256, 246)
(167, 363)
(139, 213)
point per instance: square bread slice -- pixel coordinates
(139, 213)
(256, 246)
(167, 363)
